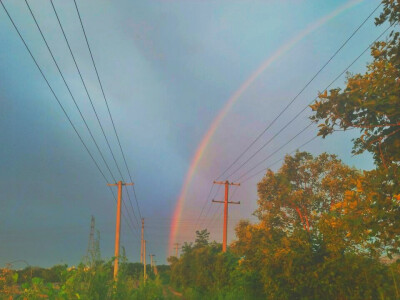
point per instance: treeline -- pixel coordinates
(56, 273)
(325, 230)
(85, 282)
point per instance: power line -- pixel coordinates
(52, 91)
(213, 219)
(205, 202)
(301, 111)
(295, 117)
(72, 96)
(84, 85)
(57, 99)
(208, 203)
(219, 209)
(271, 165)
(69, 90)
(292, 101)
(211, 223)
(106, 101)
(277, 150)
(90, 100)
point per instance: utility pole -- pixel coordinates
(90, 252)
(176, 249)
(118, 225)
(144, 261)
(226, 202)
(151, 260)
(155, 267)
(141, 242)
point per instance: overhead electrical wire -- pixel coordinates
(211, 222)
(58, 101)
(107, 105)
(73, 98)
(276, 151)
(274, 163)
(69, 90)
(292, 101)
(204, 204)
(209, 204)
(108, 108)
(330, 84)
(270, 155)
(90, 99)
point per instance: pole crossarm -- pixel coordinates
(226, 182)
(229, 202)
(116, 184)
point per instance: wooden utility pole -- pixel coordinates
(144, 261)
(176, 249)
(226, 202)
(141, 242)
(155, 267)
(151, 260)
(118, 225)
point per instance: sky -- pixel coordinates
(168, 68)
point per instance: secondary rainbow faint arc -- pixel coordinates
(232, 100)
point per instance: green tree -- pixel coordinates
(370, 102)
(202, 237)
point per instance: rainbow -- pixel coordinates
(232, 100)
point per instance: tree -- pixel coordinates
(371, 212)
(302, 190)
(370, 102)
(187, 247)
(202, 238)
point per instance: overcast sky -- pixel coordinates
(168, 68)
